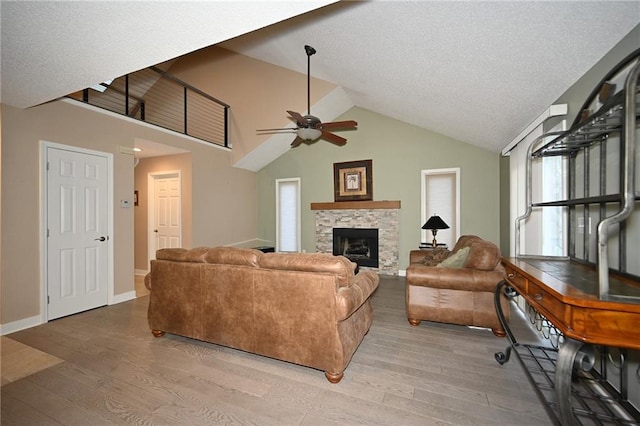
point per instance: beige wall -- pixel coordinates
(224, 208)
(399, 152)
(180, 162)
(260, 94)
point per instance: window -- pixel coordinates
(544, 232)
(441, 197)
(288, 215)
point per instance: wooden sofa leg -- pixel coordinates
(333, 377)
(157, 333)
(499, 332)
(414, 322)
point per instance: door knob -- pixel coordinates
(100, 239)
(155, 230)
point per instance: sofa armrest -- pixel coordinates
(352, 296)
(147, 281)
(453, 278)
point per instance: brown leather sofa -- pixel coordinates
(458, 294)
(308, 309)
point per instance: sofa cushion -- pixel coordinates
(456, 260)
(484, 256)
(233, 256)
(342, 267)
(182, 255)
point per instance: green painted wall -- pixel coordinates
(399, 152)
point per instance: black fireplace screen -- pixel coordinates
(357, 244)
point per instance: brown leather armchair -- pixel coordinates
(458, 295)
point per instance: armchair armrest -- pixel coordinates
(351, 297)
(428, 256)
(453, 278)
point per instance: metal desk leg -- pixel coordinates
(503, 286)
(572, 353)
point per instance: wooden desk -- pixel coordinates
(566, 294)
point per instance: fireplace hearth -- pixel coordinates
(357, 244)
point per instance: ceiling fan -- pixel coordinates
(309, 127)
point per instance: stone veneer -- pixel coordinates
(386, 220)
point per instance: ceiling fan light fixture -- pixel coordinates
(309, 134)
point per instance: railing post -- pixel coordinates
(126, 95)
(185, 111)
(226, 127)
(85, 95)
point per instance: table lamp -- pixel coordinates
(434, 223)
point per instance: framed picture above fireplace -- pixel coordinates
(353, 181)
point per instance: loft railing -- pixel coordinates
(157, 97)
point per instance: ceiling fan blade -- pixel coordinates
(299, 118)
(338, 140)
(349, 124)
(297, 141)
(277, 130)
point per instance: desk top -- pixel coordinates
(567, 294)
(573, 279)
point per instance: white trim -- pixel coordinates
(140, 272)
(552, 111)
(151, 206)
(44, 146)
(23, 324)
(402, 273)
(123, 297)
(298, 231)
(423, 207)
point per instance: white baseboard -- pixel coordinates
(25, 323)
(123, 297)
(22, 324)
(140, 272)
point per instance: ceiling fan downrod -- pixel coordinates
(310, 51)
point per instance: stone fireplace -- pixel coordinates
(382, 216)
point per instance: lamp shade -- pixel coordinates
(435, 222)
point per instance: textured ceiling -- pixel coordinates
(53, 48)
(476, 71)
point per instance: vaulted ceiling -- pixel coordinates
(476, 71)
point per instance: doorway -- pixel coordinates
(165, 211)
(78, 252)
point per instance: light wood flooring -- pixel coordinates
(109, 369)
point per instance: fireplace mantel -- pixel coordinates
(370, 205)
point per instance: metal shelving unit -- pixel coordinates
(601, 150)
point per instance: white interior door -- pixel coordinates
(165, 212)
(77, 231)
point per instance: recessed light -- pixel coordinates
(137, 149)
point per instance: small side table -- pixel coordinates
(266, 249)
(430, 247)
